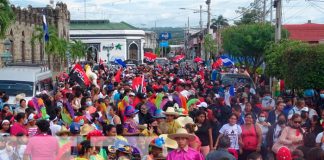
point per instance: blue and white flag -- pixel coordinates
(45, 29)
(232, 91)
(227, 61)
(120, 62)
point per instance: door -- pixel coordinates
(133, 50)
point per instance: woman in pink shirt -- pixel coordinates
(18, 126)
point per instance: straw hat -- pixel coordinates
(169, 143)
(19, 97)
(171, 111)
(185, 120)
(86, 128)
(63, 130)
(181, 132)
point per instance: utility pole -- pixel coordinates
(278, 6)
(271, 4)
(200, 21)
(85, 9)
(264, 11)
(208, 17)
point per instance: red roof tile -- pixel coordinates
(309, 32)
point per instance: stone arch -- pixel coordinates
(133, 51)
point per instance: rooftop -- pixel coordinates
(308, 32)
(99, 25)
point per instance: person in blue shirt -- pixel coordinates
(288, 107)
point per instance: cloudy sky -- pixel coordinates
(166, 13)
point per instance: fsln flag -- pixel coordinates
(45, 29)
(78, 75)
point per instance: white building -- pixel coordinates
(106, 40)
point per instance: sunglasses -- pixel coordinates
(297, 122)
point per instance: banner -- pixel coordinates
(165, 36)
(78, 75)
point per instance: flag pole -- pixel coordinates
(142, 83)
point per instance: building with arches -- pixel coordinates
(20, 33)
(109, 41)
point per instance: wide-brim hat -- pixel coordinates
(129, 110)
(169, 143)
(159, 114)
(181, 132)
(85, 129)
(63, 130)
(186, 120)
(171, 111)
(19, 97)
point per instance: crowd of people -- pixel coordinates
(179, 112)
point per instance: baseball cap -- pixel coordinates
(75, 128)
(203, 104)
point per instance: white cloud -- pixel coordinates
(167, 12)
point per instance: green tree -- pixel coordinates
(55, 47)
(209, 45)
(6, 17)
(299, 64)
(247, 43)
(220, 22)
(250, 15)
(78, 49)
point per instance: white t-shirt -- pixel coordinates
(319, 139)
(233, 132)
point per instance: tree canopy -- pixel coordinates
(219, 23)
(209, 45)
(247, 43)
(6, 17)
(250, 15)
(300, 65)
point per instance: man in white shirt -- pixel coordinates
(320, 140)
(298, 108)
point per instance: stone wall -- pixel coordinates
(21, 31)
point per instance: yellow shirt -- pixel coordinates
(169, 127)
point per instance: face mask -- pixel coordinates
(122, 91)
(281, 122)
(87, 112)
(322, 96)
(26, 121)
(261, 119)
(81, 122)
(89, 103)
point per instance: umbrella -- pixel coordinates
(120, 62)
(198, 60)
(150, 56)
(178, 58)
(63, 76)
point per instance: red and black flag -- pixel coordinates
(78, 75)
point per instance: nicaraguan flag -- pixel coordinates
(227, 61)
(120, 62)
(232, 91)
(45, 29)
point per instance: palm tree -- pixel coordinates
(220, 22)
(6, 17)
(55, 47)
(77, 49)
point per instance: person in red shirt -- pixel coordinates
(19, 125)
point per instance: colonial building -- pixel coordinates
(109, 41)
(21, 32)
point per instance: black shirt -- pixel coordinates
(203, 134)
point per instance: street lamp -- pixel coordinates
(6, 56)
(108, 48)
